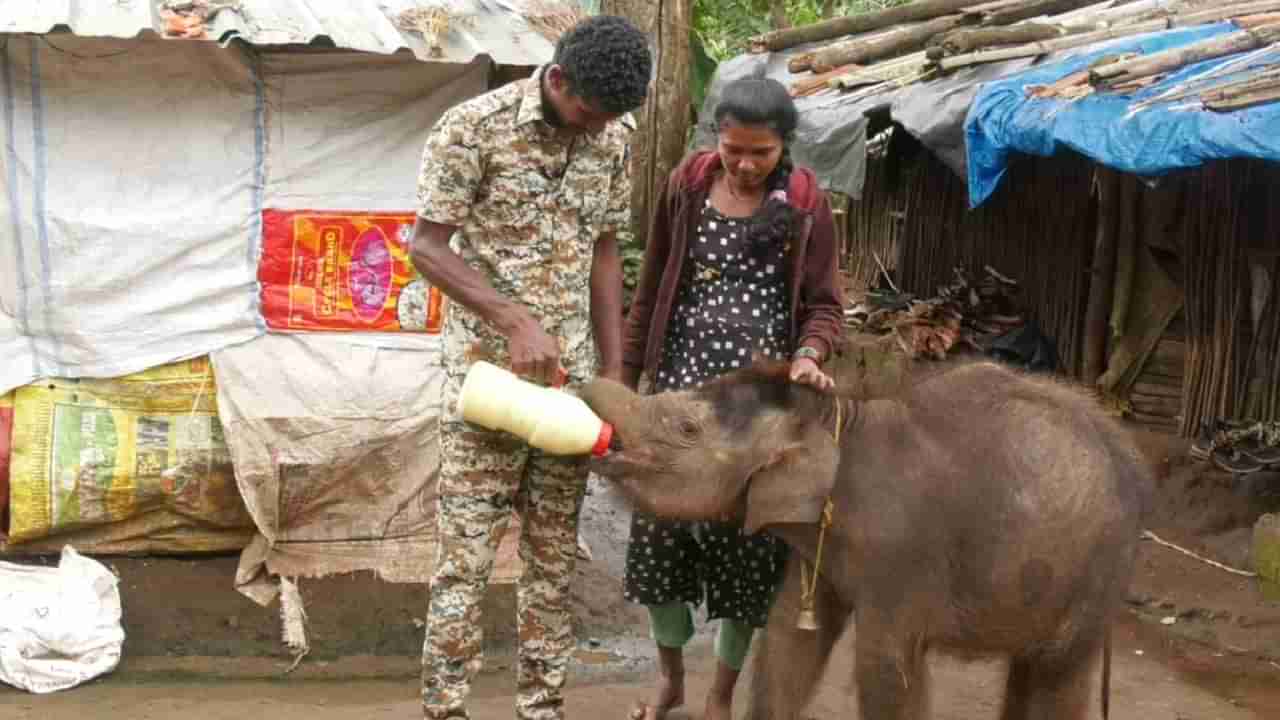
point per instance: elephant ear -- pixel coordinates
(793, 486)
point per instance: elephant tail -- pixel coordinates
(1106, 672)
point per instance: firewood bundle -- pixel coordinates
(963, 315)
(871, 52)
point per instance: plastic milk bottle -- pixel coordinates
(549, 419)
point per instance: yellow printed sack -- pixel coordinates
(145, 448)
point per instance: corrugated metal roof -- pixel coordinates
(512, 32)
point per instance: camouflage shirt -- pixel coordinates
(529, 204)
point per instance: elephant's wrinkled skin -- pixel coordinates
(977, 511)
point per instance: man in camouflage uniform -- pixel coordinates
(522, 194)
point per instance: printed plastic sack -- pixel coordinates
(6, 437)
(343, 271)
(60, 626)
(142, 447)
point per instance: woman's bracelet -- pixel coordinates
(804, 351)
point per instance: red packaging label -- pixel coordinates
(336, 271)
(6, 447)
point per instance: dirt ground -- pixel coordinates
(1154, 679)
(1220, 659)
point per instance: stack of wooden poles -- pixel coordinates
(927, 38)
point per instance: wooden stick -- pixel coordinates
(860, 52)
(818, 83)
(963, 41)
(1152, 405)
(1148, 535)
(1146, 387)
(1227, 102)
(1102, 273)
(1197, 84)
(1099, 18)
(883, 72)
(1163, 62)
(1034, 9)
(1050, 46)
(856, 24)
(1157, 420)
(804, 61)
(1249, 22)
(1225, 12)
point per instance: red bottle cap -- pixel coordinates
(602, 442)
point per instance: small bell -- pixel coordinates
(808, 620)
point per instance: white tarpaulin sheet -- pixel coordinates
(132, 182)
(135, 173)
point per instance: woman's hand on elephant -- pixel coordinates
(805, 371)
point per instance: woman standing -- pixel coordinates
(741, 260)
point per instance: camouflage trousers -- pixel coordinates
(483, 477)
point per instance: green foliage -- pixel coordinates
(725, 26)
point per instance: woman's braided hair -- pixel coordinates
(765, 102)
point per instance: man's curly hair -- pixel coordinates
(606, 61)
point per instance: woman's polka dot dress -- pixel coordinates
(733, 302)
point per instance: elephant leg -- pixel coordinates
(1057, 688)
(788, 662)
(891, 673)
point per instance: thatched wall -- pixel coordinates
(1213, 233)
(1037, 229)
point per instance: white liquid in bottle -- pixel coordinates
(549, 419)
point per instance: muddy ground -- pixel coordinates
(1155, 678)
(196, 648)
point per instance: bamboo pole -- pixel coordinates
(856, 24)
(1102, 274)
(861, 52)
(1163, 62)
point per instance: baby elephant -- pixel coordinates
(977, 511)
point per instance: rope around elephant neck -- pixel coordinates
(809, 586)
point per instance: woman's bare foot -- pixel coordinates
(720, 696)
(670, 690)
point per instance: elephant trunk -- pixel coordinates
(614, 402)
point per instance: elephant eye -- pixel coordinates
(688, 428)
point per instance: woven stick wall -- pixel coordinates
(1231, 224)
(871, 226)
(1038, 229)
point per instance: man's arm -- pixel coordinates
(534, 353)
(606, 304)
(452, 173)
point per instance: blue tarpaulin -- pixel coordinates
(1159, 139)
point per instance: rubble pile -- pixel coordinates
(964, 315)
